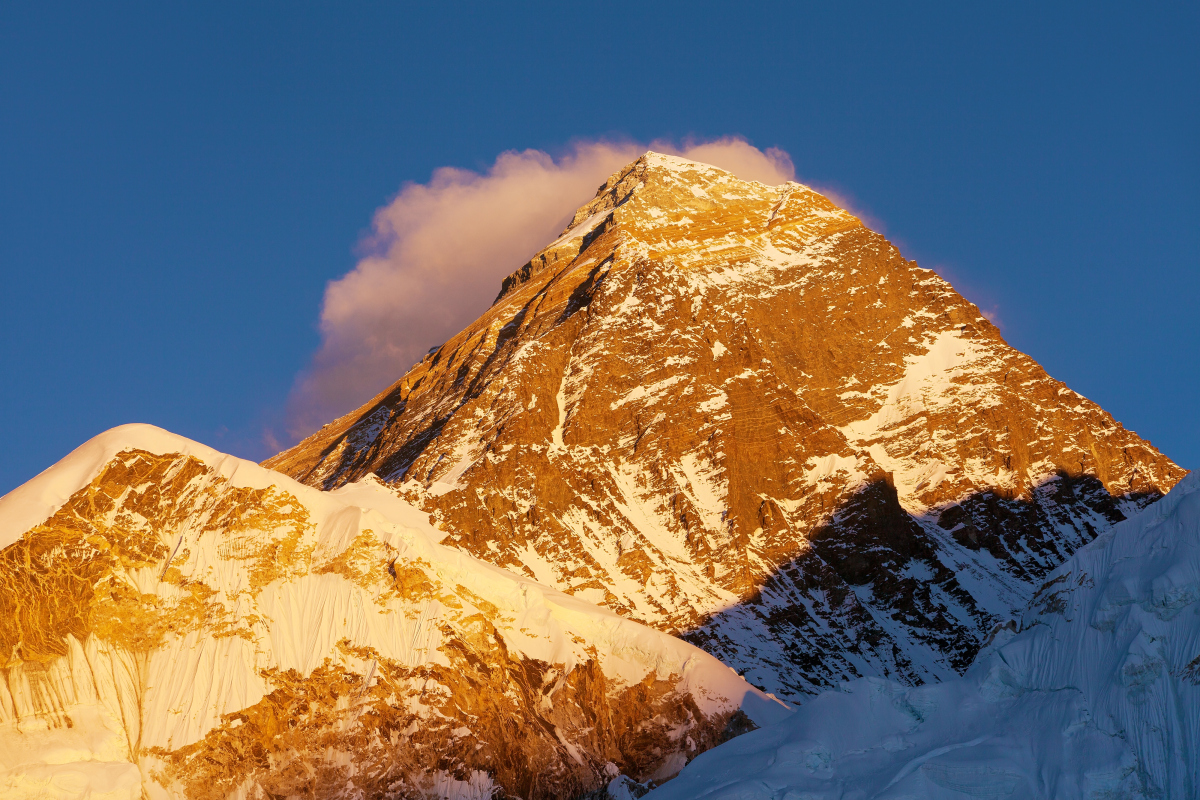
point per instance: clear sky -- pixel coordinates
(179, 182)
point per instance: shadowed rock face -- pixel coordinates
(1091, 691)
(735, 413)
(196, 626)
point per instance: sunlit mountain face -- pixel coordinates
(733, 412)
(717, 450)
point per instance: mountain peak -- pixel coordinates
(35, 500)
(695, 171)
(724, 410)
(677, 164)
(657, 173)
(712, 404)
(663, 203)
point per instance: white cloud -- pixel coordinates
(439, 250)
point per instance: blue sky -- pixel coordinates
(178, 184)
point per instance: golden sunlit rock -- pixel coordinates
(733, 412)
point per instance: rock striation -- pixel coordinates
(733, 412)
(175, 622)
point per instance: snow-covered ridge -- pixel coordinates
(35, 500)
(1093, 693)
(257, 585)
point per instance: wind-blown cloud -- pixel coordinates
(438, 251)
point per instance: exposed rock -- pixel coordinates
(735, 413)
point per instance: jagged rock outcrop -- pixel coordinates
(179, 623)
(735, 413)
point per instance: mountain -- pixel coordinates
(1094, 692)
(733, 412)
(175, 622)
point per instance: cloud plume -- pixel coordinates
(438, 251)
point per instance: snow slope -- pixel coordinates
(1093, 693)
(179, 622)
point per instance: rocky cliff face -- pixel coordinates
(733, 412)
(179, 623)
